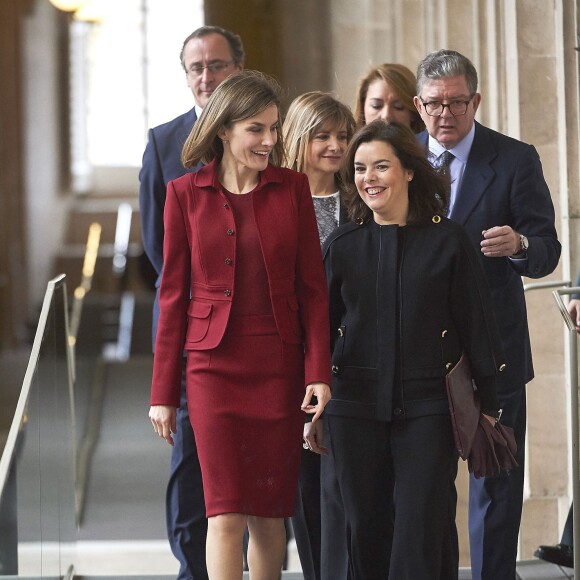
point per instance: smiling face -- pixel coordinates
(448, 129)
(382, 182)
(211, 49)
(325, 149)
(248, 143)
(383, 103)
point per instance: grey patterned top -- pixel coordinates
(327, 209)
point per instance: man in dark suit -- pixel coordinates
(208, 56)
(500, 196)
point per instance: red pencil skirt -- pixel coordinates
(244, 402)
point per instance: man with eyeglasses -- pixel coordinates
(208, 56)
(500, 196)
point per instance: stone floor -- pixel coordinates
(535, 570)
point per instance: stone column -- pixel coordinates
(540, 62)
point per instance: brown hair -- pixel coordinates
(240, 96)
(428, 190)
(402, 82)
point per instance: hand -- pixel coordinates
(574, 311)
(500, 241)
(322, 393)
(492, 420)
(163, 419)
(314, 436)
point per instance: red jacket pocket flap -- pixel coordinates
(199, 309)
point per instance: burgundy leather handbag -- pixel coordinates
(464, 406)
(488, 449)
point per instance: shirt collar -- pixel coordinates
(460, 151)
(198, 111)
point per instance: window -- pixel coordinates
(126, 77)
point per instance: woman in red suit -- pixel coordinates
(243, 292)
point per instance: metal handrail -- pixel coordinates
(20, 414)
(88, 271)
(121, 349)
(87, 274)
(573, 348)
(544, 285)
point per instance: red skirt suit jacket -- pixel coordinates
(197, 284)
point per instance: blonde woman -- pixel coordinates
(316, 132)
(243, 292)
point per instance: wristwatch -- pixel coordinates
(524, 245)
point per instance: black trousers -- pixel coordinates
(394, 481)
(184, 501)
(318, 522)
(306, 519)
(334, 532)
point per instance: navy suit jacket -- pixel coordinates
(161, 164)
(503, 184)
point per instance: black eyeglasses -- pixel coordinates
(214, 67)
(436, 108)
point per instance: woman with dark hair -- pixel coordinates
(386, 92)
(407, 297)
(243, 292)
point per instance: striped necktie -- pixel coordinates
(442, 166)
(443, 161)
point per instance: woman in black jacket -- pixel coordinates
(407, 297)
